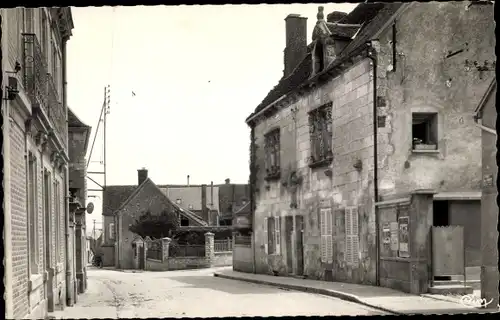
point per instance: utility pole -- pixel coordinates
(93, 235)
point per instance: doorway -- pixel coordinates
(141, 258)
(299, 244)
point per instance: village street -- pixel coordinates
(195, 293)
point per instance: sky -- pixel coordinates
(197, 72)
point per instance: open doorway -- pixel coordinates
(440, 218)
(441, 214)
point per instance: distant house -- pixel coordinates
(233, 199)
(122, 205)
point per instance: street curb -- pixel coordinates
(331, 293)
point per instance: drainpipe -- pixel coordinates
(372, 54)
(69, 290)
(252, 190)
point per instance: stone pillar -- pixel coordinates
(165, 244)
(209, 247)
(420, 224)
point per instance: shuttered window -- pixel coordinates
(277, 235)
(112, 231)
(352, 236)
(266, 237)
(271, 235)
(326, 230)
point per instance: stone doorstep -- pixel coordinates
(327, 292)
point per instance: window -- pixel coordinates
(33, 213)
(273, 234)
(57, 208)
(184, 222)
(320, 130)
(111, 231)
(424, 131)
(272, 149)
(55, 66)
(352, 236)
(326, 229)
(43, 33)
(47, 215)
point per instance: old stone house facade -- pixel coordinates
(38, 271)
(377, 107)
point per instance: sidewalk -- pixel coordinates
(380, 298)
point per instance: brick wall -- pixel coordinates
(19, 220)
(351, 94)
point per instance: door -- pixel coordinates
(288, 242)
(141, 258)
(299, 244)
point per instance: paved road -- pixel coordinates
(195, 293)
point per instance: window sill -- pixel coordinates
(431, 151)
(273, 176)
(321, 163)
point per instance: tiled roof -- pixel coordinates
(371, 15)
(190, 196)
(231, 197)
(114, 196)
(74, 121)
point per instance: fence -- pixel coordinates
(155, 250)
(223, 245)
(187, 251)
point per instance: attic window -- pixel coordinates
(424, 131)
(319, 57)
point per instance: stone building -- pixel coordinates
(234, 199)
(377, 108)
(79, 136)
(122, 205)
(38, 275)
(486, 117)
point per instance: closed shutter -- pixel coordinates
(111, 231)
(266, 239)
(329, 235)
(352, 236)
(277, 233)
(323, 232)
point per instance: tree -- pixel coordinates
(155, 226)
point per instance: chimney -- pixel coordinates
(188, 180)
(142, 175)
(296, 42)
(228, 181)
(204, 209)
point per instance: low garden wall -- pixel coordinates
(208, 259)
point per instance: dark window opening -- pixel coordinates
(320, 131)
(271, 236)
(424, 131)
(319, 56)
(272, 149)
(440, 214)
(184, 222)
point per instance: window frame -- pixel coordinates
(431, 121)
(33, 218)
(272, 149)
(352, 235)
(111, 231)
(321, 140)
(326, 234)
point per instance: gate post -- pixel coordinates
(165, 243)
(420, 245)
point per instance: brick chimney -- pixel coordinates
(142, 175)
(204, 209)
(296, 42)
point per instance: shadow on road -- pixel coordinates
(226, 285)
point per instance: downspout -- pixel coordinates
(372, 54)
(69, 290)
(252, 190)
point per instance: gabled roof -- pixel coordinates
(372, 17)
(184, 212)
(114, 196)
(190, 195)
(491, 88)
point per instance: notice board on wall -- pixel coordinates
(394, 226)
(404, 237)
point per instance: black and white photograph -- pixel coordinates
(249, 160)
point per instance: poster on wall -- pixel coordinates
(404, 237)
(386, 233)
(394, 236)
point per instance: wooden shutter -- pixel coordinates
(266, 239)
(329, 235)
(352, 236)
(277, 234)
(323, 231)
(111, 231)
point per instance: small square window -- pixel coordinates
(424, 131)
